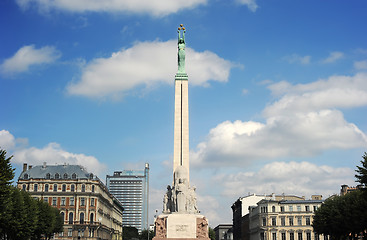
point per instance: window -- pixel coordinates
(282, 209)
(92, 202)
(299, 221)
(308, 236)
(46, 188)
(35, 187)
(300, 236)
(72, 188)
(45, 199)
(82, 201)
(83, 188)
(273, 208)
(63, 201)
(262, 236)
(65, 176)
(81, 218)
(70, 232)
(73, 176)
(25, 176)
(62, 216)
(55, 187)
(314, 208)
(57, 176)
(71, 216)
(290, 221)
(326, 237)
(291, 236)
(61, 234)
(91, 232)
(273, 221)
(64, 187)
(308, 222)
(92, 188)
(54, 200)
(291, 208)
(48, 176)
(24, 187)
(72, 201)
(274, 236)
(307, 208)
(264, 221)
(283, 236)
(91, 218)
(91, 176)
(282, 221)
(298, 208)
(317, 236)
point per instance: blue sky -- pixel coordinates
(278, 91)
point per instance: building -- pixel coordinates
(283, 220)
(346, 189)
(131, 188)
(223, 232)
(240, 211)
(89, 210)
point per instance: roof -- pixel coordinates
(300, 201)
(50, 172)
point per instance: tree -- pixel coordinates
(211, 233)
(362, 176)
(144, 235)
(130, 233)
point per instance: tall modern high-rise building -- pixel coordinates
(131, 188)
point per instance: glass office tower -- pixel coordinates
(131, 188)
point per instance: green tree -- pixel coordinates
(211, 233)
(129, 233)
(362, 176)
(144, 235)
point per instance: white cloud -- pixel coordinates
(52, 153)
(296, 178)
(294, 58)
(146, 64)
(334, 56)
(303, 122)
(28, 56)
(360, 65)
(251, 4)
(156, 8)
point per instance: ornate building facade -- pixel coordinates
(89, 210)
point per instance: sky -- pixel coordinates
(277, 92)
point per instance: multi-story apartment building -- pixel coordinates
(224, 232)
(89, 210)
(131, 188)
(283, 220)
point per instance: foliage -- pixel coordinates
(21, 216)
(343, 216)
(144, 235)
(211, 233)
(129, 233)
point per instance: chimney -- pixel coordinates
(44, 165)
(24, 167)
(30, 167)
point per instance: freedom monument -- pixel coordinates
(181, 218)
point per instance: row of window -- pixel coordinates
(70, 220)
(58, 176)
(47, 187)
(290, 221)
(292, 236)
(82, 201)
(290, 209)
(80, 232)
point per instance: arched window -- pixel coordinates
(46, 187)
(57, 176)
(65, 175)
(91, 218)
(64, 187)
(55, 187)
(35, 187)
(83, 188)
(72, 188)
(48, 176)
(24, 187)
(81, 218)
(91, 176)
(71, 215)
(73, 176)
(92, 188)
(273, 208)
(25, 176)
(62, 216)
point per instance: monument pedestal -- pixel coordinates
(181, 226)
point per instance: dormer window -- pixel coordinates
(91, 176)
(73, 176)
(48, 176)
(57, 176)
(25, 176)
(83, 188)
(65, 175)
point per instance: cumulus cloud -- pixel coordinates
(298, 178)
(251, 4)
(360, 65)
(156, 8)
(143, 65)
(295, 58)
(52, 153)
(334, 56)
(305, 121)
(28, 56)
